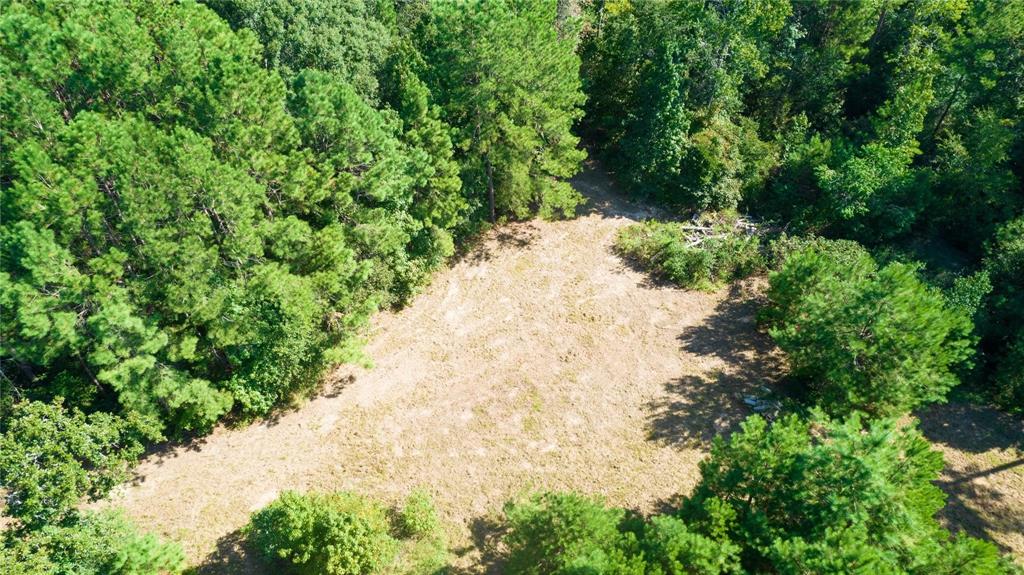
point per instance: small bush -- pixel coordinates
(667, 250)
(424, 548)
(568, 533)
(417, 518)
(843, 252)
(323, 533)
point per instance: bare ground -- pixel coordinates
(984, 475)
(538, 361)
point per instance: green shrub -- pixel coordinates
(323, 534)
(863, 338)
(664, 248)
(424, 549)
(830, 496)
(51, 458)
(417, 517)
(842, 252)
(565, 533)
(103, 543)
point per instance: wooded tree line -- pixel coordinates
(201, 206)
(203, 203)
(895, 123)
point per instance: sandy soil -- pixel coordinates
(984, 475)
(538, 361)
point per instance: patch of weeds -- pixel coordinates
(424, 548)
(692, 256)
(531, 423)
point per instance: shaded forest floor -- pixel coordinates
(540, 360)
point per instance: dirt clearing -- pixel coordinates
(539, 361)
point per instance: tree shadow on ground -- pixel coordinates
(158, 453)
(971, 427)
(730, 333)
(330, 386)
(696, 408)
(649, 279)
(976, 507)
(486, 552)
(981, 483)
(231, 557)
(604, 198)
(482, 249)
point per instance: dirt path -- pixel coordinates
(539, 361)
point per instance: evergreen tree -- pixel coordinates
(863, 338)
(509, 84)
(829, 496)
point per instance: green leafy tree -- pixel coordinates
(347, 38)
(169, 241)
(863, 338)
(677, 70)
(346, 65)
(51, 459)
(93, 543)
(567, 533)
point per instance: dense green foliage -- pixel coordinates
(830, 496)
(198, 219)
(345, 534)
(568, 533)
(701, 262)
(664, 83)
(556, 533)
(801, 496)
(348, 38)
(511, 93)
(888, 122)
(864, 338)
(203, 203)
(52, 458)
(334, 534)
(102, 543)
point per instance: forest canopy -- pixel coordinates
(203, 203)
(199, 218)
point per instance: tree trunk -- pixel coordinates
(879, 26)
(490, 186)
(949, 104)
